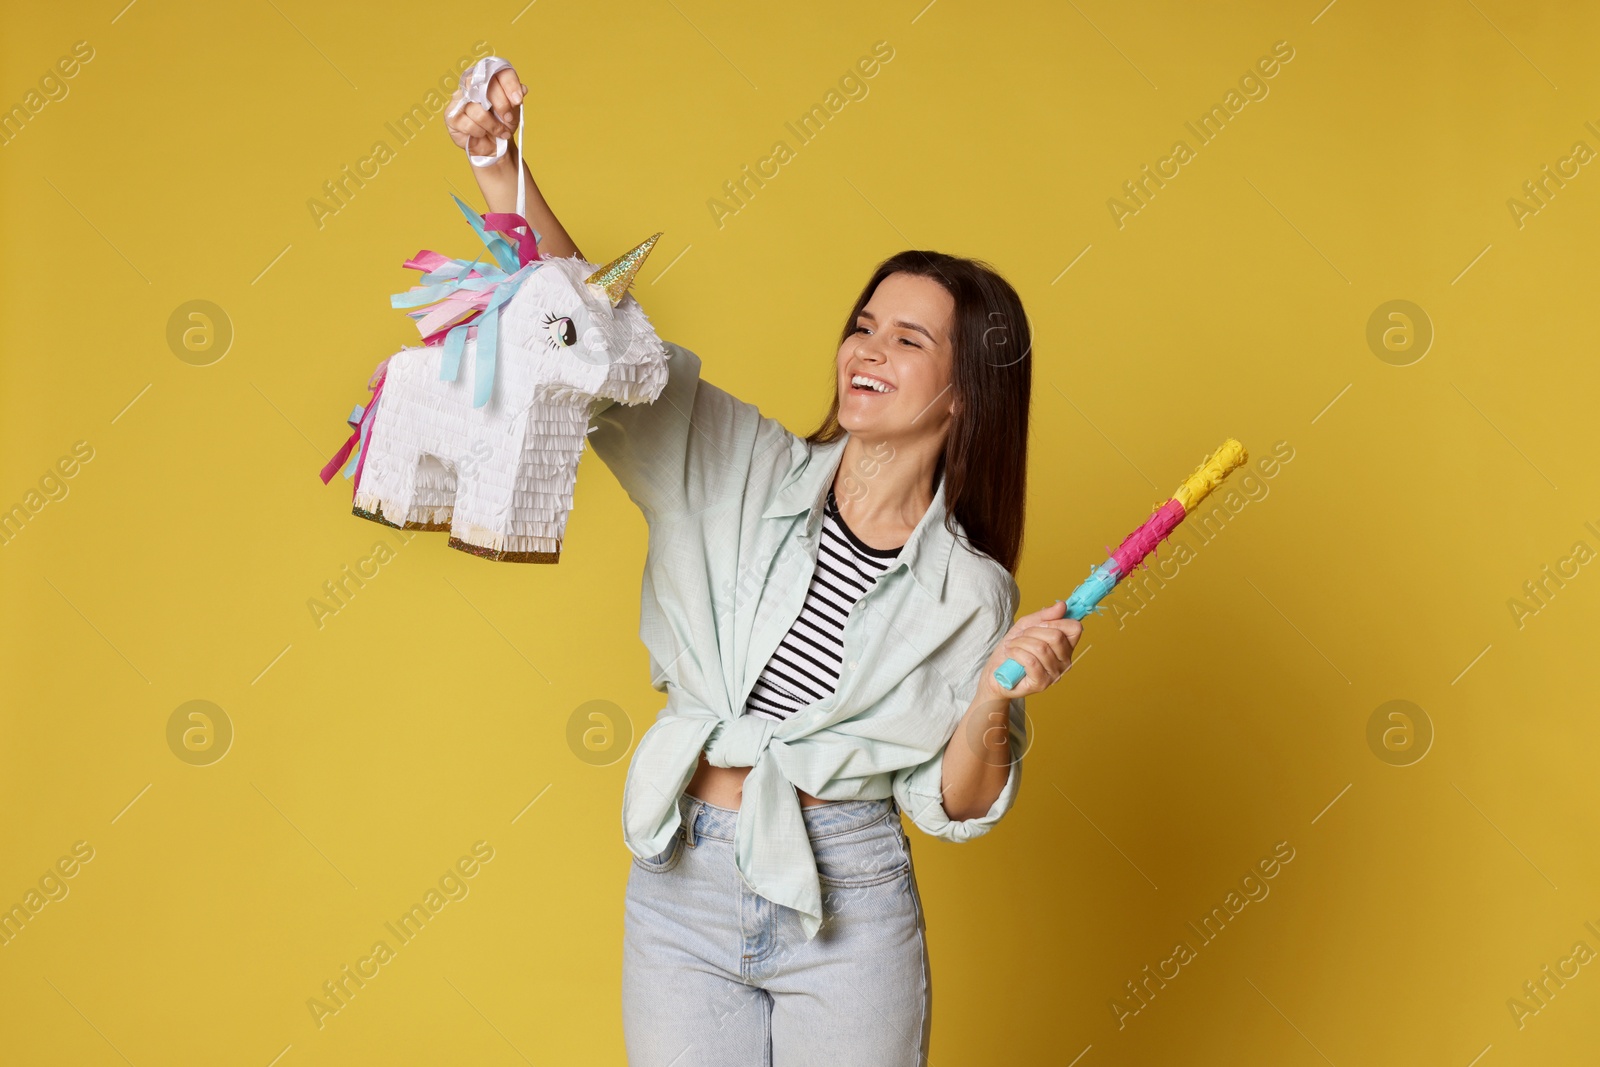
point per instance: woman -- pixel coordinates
(825, 614)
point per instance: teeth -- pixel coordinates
(861, 379)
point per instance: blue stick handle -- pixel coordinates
(1081, 603)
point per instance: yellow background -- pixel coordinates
(373, 751)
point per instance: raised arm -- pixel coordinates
(474, 129)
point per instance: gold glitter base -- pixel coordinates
(377, 516)
(456, 542)
(504, 557)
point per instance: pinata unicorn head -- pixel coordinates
(490, 452)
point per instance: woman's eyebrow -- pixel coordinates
(903, 322)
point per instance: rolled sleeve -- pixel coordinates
(919, 789)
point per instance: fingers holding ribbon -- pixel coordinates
(487, 107)
(474, 128)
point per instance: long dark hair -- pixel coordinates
(985, 458)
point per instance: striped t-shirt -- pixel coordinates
(805, 667)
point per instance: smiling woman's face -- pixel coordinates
(902, 338)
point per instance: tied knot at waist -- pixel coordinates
(771, 848)
(740, 742)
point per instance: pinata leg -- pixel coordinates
(434, 500)
(515, 510)
(407, 478)
(428, 498)
(545, 476)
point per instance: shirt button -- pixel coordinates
(852, 664)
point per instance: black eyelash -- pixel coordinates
(550, 318)
(903, 340)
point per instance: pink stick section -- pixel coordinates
(1143, 541)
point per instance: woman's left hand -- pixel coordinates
(1042, 643)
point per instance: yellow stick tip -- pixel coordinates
(1210, 474)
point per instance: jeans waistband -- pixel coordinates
(822, 820)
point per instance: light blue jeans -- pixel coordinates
(714, 975)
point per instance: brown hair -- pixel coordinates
(985, 458)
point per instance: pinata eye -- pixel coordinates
(563, 333)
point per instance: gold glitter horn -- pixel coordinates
(615, 277)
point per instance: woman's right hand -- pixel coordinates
(474, 128)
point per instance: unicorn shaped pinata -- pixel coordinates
(494, 459)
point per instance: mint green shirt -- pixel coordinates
(734, 504)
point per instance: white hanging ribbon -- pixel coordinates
(475, 89)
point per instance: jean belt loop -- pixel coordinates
(695, 807)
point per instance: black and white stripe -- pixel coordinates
(806, 665)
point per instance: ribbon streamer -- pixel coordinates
(474, 289)
(361, 424)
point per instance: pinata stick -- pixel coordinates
(1141, 543)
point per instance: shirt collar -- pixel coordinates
(926, 553)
